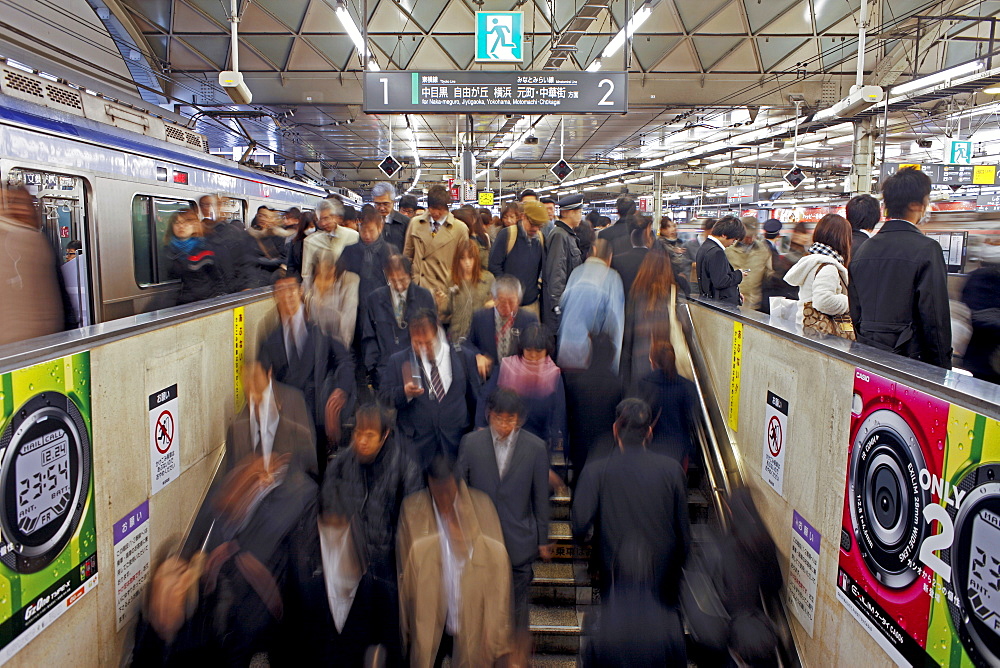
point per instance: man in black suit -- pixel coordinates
(299, 354)
(627, 264)
(637, 499)
(494, 331)
(512, 467)
(434, 389)
(899, 283)
(716, 277)
(275, 420)
(386, 312)
(863, 214)
(618, 235)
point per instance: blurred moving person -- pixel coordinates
(454, 582)
(230, 242)
(471, 290)
(799, 241)
(822, 275)
(477, 231)
(592, 394)
(268, 246)
(193, 261)
(673, 399)
(619, 234)
(981, 294)
(74, 276)
(898, 280)
(592, 304)
(387, 313)
(293, 248)
(394, 223)
(431, 242)
(716, 277)
(775, 284)
(627, 263)
(299, 354)
(29, 282)
(648, 310)
(519, 251)
(863, 214)
(635, 495)
(562, 256)
(495, 331)
(332, 301)
(680, 260)
(330, 238)
(693, 248)
(511, 466)
(753, 257)
(433, 387)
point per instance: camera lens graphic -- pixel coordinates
(886, 498)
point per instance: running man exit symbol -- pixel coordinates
(499, 37)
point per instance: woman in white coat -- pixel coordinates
(821, 276)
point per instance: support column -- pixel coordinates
(657, 199)
(863, 156)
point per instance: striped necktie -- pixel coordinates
(436, 381)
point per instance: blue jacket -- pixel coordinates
(593, 303)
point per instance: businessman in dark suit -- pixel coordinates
(716, 277)
(275, 420)
(386, 313)
(494, 331)
(299, 354)
(512, 467)
(434, 389)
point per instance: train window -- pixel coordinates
(150, 219)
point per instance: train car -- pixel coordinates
(113, 183)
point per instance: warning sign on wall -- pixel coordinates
(775, 441)
(164, 446)
(131, 562)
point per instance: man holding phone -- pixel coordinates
(716, 277)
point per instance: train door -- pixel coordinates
(62, 208)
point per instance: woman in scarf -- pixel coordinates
(332, 300)
(538, 381)
(469, 292)
(192, 260)
(821, 276)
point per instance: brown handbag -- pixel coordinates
(824, 323)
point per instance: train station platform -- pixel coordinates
(874, 474)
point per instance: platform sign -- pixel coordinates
(132, 548)
(803, 572)
(775, 441)
(48, 539)
(949, 175)
(495, 92)
(164, 437)
(741, 194)
(499, 37)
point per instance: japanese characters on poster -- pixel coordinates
(48, 545)
(132, 549)
(920, 554)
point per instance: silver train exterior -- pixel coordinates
(90, 178)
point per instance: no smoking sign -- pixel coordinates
(164, 446)
(775, 435)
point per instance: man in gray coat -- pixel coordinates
(511, 466)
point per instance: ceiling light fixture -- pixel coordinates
(594, 66)
(351, 28)
(937, 78)
(618, 41)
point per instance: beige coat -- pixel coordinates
(484, 634)
(432, 254)
(29, 287)
(757, 258)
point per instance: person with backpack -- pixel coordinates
(519, 251)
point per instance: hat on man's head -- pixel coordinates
(772, 226)
(571, 202)
(535, 211)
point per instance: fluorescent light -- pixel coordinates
(510, 151)
(633, 24)
(594, 66)
(937, 77)
(373, 65)
(351, 28)
(840, 140)
(482, 174)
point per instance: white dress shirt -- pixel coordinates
(442, 357)
(264, 423)
(718, 242)
(503, 448)
(295, 334)
(452, 565)
(340, 571)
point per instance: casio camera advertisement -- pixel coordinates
(48, 546)
(920, 548)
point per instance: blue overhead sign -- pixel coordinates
(499, 37)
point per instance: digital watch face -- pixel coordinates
(975, 560)
(887, 500)
(45, 463)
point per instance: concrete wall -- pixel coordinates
(198, 356)
(819, 389)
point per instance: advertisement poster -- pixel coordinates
(920, 553)
(48, 542)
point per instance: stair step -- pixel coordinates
(696, 497)
(556, 574)
(554, 621)
(561, 499)
(554, 661)
(560, 531)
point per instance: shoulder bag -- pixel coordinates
(824, 323)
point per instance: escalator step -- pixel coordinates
(560, 531)
(555, 574)
(560, 621)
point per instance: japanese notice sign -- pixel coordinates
(131, 562)
(164, 446)
(486, 198)
(510, 92)
(775, 441)
(734, 376)
(239, 335)
(803, 572)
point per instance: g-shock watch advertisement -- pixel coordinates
(48, 541)
(920, 546)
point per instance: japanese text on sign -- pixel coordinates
(132, 550)
(734, 376)
(803, 572)
(238, 340)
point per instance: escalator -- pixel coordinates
(561, 595)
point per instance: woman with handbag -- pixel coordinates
(821, 277)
